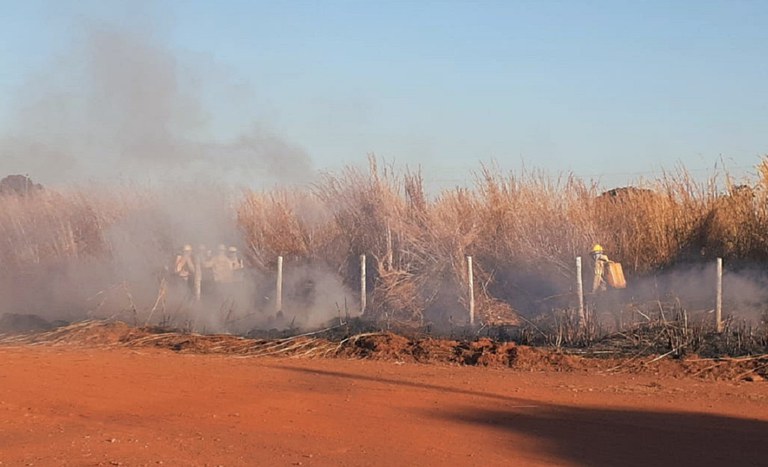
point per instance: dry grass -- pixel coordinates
(49, 226)
(524, 231)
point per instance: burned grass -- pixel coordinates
(386, 346)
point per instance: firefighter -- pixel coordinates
(236, 263)
(185, 268)
(221, 266)
(601, 261)
(185, 264)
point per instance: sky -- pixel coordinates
(613, 91)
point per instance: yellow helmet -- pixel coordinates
(597, 249)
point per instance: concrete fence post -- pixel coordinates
(471, 286)
(580, 291)
(363, 284)
(719, 297)
(279, 285)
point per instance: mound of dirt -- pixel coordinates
(387, 346)
(393, 347)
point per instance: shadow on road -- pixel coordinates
(612, 437)
(400, 382)
(601, 436)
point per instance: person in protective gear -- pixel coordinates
(185, 264)
(600, 260)
(236, 263)
(221, 266)
(185, 269)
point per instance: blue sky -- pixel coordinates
(610, 90)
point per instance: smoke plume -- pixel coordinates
(123, 117)
(121, 105)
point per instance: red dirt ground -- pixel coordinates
(71, 405)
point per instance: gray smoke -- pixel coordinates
(745, 290)
(121, 109)
(128, 272)
(121, 105)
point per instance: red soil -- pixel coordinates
(73, 405)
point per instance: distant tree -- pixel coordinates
(20, 185)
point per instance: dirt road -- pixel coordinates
(76, 406)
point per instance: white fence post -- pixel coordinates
(719, 299)
(198, 275)
(580, 291)
(279, 286)
(471, 285)
(363, 292)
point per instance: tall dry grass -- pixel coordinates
(523, 230)
(48, 227)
